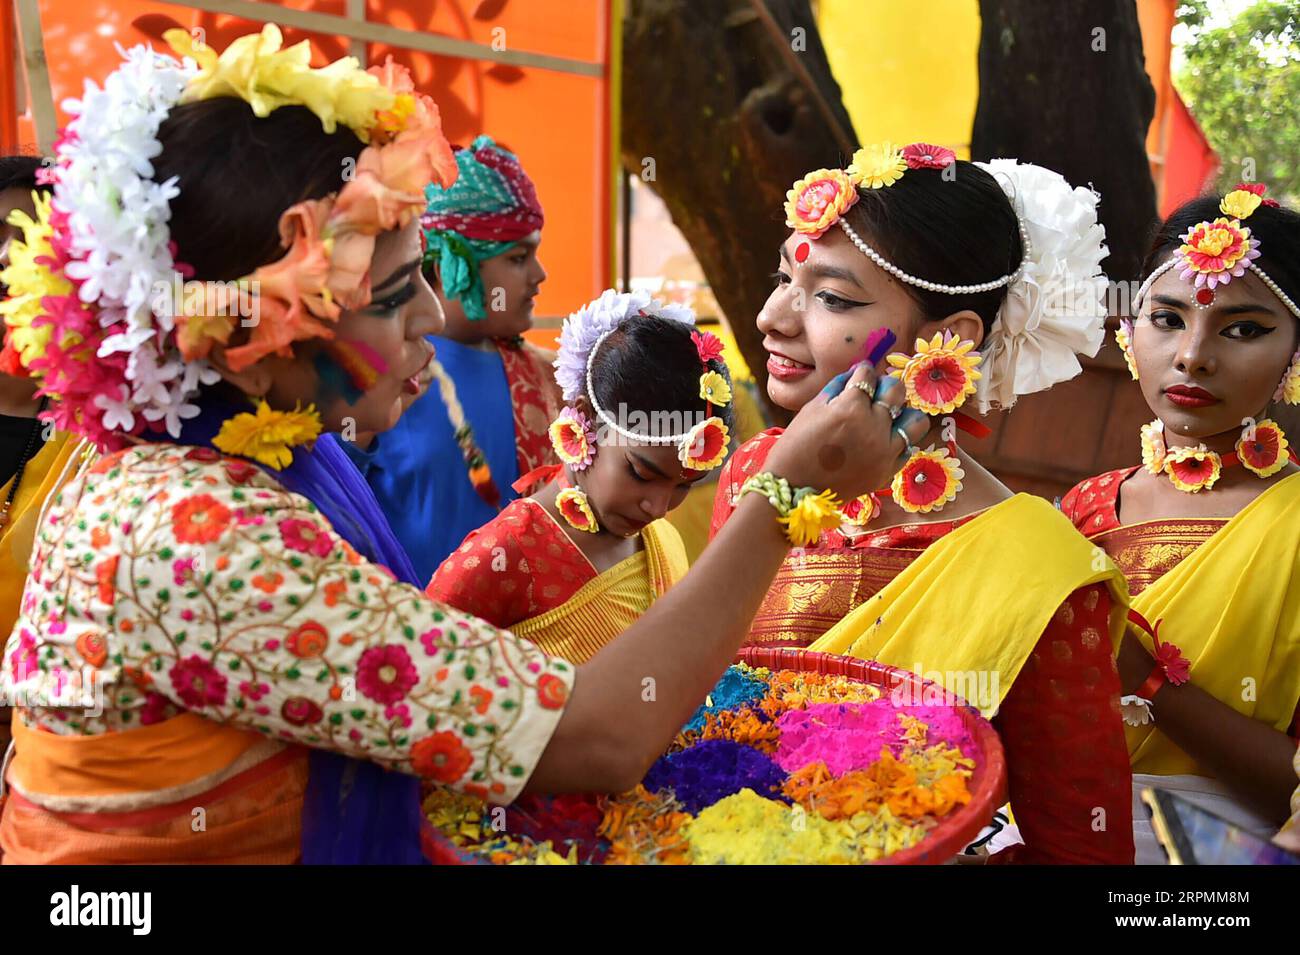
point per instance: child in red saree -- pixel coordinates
(578, 562)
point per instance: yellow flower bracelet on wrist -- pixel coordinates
(803, 512)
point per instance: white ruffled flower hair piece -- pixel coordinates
(118, 238)
(1056, 310)
(584, 328)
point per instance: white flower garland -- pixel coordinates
(1056, 309)
(594, 320)
(118, 237)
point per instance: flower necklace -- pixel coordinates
(1262, 449)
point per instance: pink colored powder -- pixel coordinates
(849, 736)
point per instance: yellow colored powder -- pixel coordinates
(746, 829)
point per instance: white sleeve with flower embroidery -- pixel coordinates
(178, 579)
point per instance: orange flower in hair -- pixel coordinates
(816, 201)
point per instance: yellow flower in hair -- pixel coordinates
(1239, 203)
(810, 515)
(879, 165)
(29, 281)
(267, 435)
(255, 69)
(714, 388)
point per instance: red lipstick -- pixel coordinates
(784, 368)
(1189, 396)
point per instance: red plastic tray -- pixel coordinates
(988, 784)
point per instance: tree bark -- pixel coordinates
(712, 98)
(1063, 85)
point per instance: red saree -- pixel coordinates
(522, 572)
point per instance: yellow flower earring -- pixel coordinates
(575, 508)
(1124, 339)
(1288, 389)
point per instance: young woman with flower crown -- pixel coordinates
(227, 592)
(944, 571)
(1207, 528)
(648, 416)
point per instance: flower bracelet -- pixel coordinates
(1170, 667)
(803, 512)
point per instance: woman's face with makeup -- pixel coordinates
(822, 310)
(358, 380)
(1203, 370)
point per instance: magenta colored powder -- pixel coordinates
(849, 736)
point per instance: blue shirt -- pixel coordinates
(417, 470)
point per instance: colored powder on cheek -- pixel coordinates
(736, 688)
(334, 381)
(362, 363)
(746, 829)
(711, 770)
(848, 736)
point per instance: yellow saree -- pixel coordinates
(610, 603)
(978, 599)
(39, 479)
(1233, 607)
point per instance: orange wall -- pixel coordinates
(558, 123)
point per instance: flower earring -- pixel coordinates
(939, 377)
(576, 509)
(1124, 339)
(1288, 389)
(573, 438)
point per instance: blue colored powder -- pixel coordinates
(715, 769)
(736, 688)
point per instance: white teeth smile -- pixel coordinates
(786, 362)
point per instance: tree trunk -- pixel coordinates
(1063, 85)
(719, 124)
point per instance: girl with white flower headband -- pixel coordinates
(1207, 528)
(217, 613)
(648, 415)
(987, 276)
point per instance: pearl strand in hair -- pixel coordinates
(892, 269)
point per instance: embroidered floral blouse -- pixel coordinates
(176, 579)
